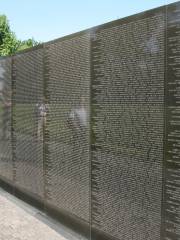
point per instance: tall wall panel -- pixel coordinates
(28, 94)
(171, 200)
(68, 92)
(128, 126)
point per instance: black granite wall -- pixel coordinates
(89, 126)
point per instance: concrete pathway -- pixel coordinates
(20, 221)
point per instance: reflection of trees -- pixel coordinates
(2, 71)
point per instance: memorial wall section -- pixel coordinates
(89, 127)
(67, 66)
(6, 156)
(27, 71)
(171, 200)
(128, 125)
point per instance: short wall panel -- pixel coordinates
(6, 161)
(28, 87)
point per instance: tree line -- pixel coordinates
(9, 43)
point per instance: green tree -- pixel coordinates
(27, 44)
(9, 44)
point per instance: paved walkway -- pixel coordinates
(19, 221)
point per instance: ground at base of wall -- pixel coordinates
(19, 221)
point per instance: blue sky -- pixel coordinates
(49, 19)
